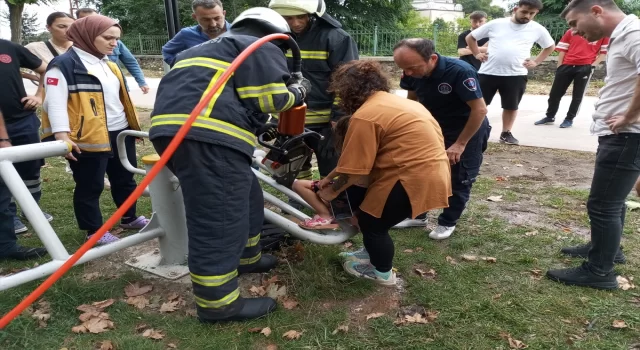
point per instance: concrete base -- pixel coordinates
(150, 263)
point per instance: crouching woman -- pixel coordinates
(400, 147)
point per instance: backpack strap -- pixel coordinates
(51, 48)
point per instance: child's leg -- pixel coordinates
(303, 189)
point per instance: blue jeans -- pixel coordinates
(617, 169)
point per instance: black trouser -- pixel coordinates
(26, 132)
(617, 169)
(225, 210)
(375, 231)
(325, 154)
(565, 75)
(465, 172)
(88, 173)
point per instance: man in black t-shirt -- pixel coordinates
(20, 126)
(478, 18)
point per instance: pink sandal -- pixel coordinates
(319, 223)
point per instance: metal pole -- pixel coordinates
(140, 41)
(169, 16)
(375, 40)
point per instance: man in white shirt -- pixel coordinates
(615, 122)
(506, 63)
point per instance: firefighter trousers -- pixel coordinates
(225, 210)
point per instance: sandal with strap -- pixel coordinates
(319, 223)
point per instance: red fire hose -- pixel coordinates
(182, 132)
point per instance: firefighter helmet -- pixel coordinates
(298, 7)
(259, 22)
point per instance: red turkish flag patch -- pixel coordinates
(52, 81)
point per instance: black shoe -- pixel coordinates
(266, 263)
(583, 276)
(582, 251)
(566, 124)
(507, 137)
(545, 121)
(25, 253)
(295, 204)
(251, 309)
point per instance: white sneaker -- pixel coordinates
(107, 184)
(412, 223)
(68, 169)
(442, 232)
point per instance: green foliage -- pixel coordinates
(414, 21)
(364, 14)
(481, 5)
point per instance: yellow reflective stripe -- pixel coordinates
(206, 112)
(249, 261)
(304, 174)
(317, 120)
(319, 113)
(202, 62)
(213, 281)
(310, 55)
(215, 304)
(206, 123)
(259, 91)
(253, 241)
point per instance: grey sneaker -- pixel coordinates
(545, 121)
(47, 216)
(365, 270)
(507, 137)
(361, 255)
(18, 226)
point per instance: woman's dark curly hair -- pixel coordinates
(354, 82)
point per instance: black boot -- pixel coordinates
(582, 251)
(583, 276)
(266, 263)
(249, 309)
(25, 253)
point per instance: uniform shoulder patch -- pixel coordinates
(470, 84)
(52, 81)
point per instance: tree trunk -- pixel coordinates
(15, 18)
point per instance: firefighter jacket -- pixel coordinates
(323, 47)
(235, 113)
(86, 107)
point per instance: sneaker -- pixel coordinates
(25, 253)
(582, 251)
(442, 232)
(583, 276)
(105, 239)
(507, 137)
(566, 124)
(545, 121)
(361, 255)
(47, 216)
(368, 271)
(420, 221)
(139, 223)
(18, 226)
(107, 184)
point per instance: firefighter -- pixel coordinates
(324, 45)
(222, 197)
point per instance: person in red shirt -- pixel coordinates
(577, 59)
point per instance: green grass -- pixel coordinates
(476, 300)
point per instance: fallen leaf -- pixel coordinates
(501, 178)
(173, 296)
(469, 258)
(289, 304)
(513, 343)
(270, 281)
(519, 165)
(134, 290)
(191, 312)
(274, 291)
(430, 274)
(419, 249)
(116, 231)
(42, 313)
(272, 347)
(101, 305)
(169, 306)
(266, 331)
(93, 314)
(90, 276)
(408, 251)
(348, 244)
(495, 199)
(153, 334)
(451, 260)
(106, 345)
(254, 330)
(141, 327)
(79, 329)
(619, 324)
(566, 321)
(531, 233)
(172, 346)
(624, 283)
(139, 302)
(489, 259)
(98, 325)
(342, 328)
(257, 291)
(292, 335)
(374, 315)
(632, 205)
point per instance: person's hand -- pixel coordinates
(454, 152)
(5, 144)
(529, 63)
(482, 56)
(324, 183)
(301, 89)
(327, 194)
(145, 89)
(63, 136)
(31, 102)
(618, 122)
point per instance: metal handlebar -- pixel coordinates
(122, 150)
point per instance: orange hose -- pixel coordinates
(182, 132)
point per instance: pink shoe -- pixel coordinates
(106, 239)
(318, 223)
(136, 224)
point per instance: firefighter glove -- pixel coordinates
(269, 131)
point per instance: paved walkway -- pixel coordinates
(532, 108)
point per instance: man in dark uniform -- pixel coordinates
(449, 89)
(323, 45)
(222, 197)
(478, 18)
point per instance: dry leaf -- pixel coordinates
(619, 324)
(93, 314)
(101, 305)
(489, 259)
(98, 325)
(497, 296)
(266, 331)
(348, 244)
(531, 233)
(153, 334)
(79, 329)
(292, 335)
(566, 321)
(272, 347)
(141, 327)
(191, 312)
(106, 345)
(255, 330)
(173, 296)
(172, 346)
(342, 328)
(91, 276)
(469, 257)
(495, 199)
(139, 302)
(289, 304)
(258, 291)
(374, 315)
(451, 260)
(513, 343)
(408, 251)
(501, 178)
(134, 290)
(274, 291)
(430, 274)
(419, 249)
(169, 306)
(624, 283)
